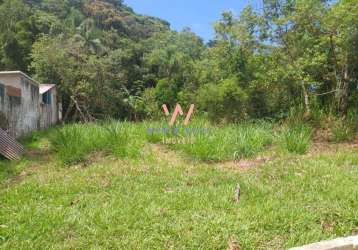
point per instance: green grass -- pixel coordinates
(161, 200)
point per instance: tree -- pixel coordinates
(17, 35)
(341, 34)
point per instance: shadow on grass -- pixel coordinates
(9, 169)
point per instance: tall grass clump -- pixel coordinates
(204, 146)
(123, 139)
(229, 143)
(297, 138)
(73, 143)
(344, 129)
(155, 132)
(199, 140)
(341, 131)
(251, 139)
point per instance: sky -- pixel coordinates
(199, 15)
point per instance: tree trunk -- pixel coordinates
(306, 100)
(68, 111)
(343, 91)
(342, 97)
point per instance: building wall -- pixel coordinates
(22, 113)
(54, 106)
(49, 112)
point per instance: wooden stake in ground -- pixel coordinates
(237, 193)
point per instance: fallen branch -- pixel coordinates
(326, 93)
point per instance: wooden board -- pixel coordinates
(9, 147)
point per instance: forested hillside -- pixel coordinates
(111, 62)
(269, 159)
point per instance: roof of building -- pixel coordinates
(20, 73)
(46, 87)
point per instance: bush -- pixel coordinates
(297, 139)
(224, 101)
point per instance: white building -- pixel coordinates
(26, 105)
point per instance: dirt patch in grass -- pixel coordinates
(163, 153)
(245, 164)
(33, 160)
(37, 155)
(29, 169)
(331, 148)
(173, 158)
(92, 158)
(233, 244)
(321, 135)
(317, 147)
(326, 136)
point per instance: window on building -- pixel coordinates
(14, 101)
(2, 91)
(2, 94)
(47, 98)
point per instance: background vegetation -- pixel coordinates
(111, 62)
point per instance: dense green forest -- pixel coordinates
(109, 61)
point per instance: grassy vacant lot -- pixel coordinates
(116, 186)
